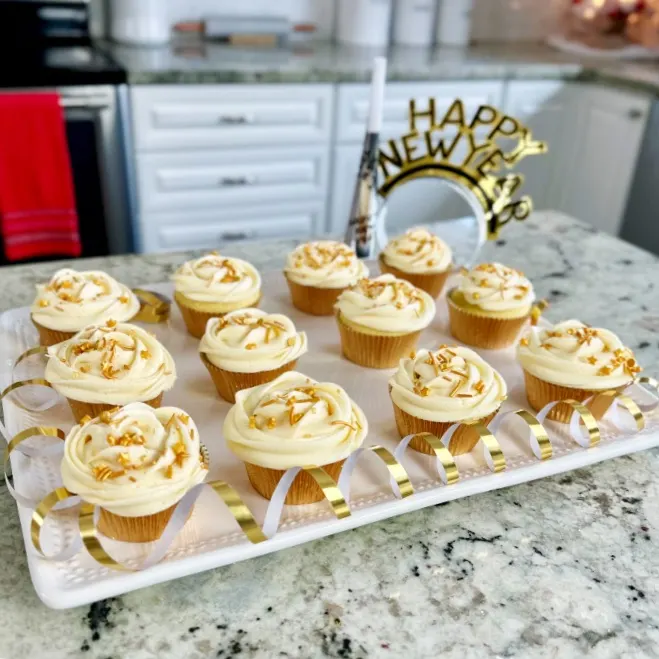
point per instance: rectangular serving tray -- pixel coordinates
(211, 538)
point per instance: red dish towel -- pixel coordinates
(37, 201)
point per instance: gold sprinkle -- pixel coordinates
(524, 341)
(105, 417)
(480, 386)
(476, 295)
(88, 439)
(413, 354)
(272, 422)
(183, 418)
(592, 360)
(252, 422)
(123, 299)
(43, 303)
(111, 323)
(145, 354)
(604, 370)
(84, 368)
(169, 471)
(250, 346)
(291, 341)
(455, 390)
(132, 479)
(344, 423)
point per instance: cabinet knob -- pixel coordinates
(635, 113)
(233, 119)
(235, 181)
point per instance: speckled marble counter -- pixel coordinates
(563, 567)
(198, 62)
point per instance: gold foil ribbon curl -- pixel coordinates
(541, 436)
(39, 350)
(443, 455)
(44, 507)
(588, 419)
(23, 383)
(153, 307)
(396, 470)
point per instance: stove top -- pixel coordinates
(58, 66)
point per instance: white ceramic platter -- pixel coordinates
(211, 538)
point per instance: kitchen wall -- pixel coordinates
(493, 20)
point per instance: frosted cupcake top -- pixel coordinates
(252, 340)
(115, 364)
(215, 278)
(324, 264)
(294, 421)
(495, 287)
(418, 252)
(387, 304)
(572, 354)
(72, 300)
(134, 460)
(450, 384)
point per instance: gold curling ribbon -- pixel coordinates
(396, 470)
(23, 383)
(39, 350)
(36, 431)
(153, 308)
(538, 430)
(444, 456)
(331, 491)
(491, 444)
(588, 419)
(537, 310)
(601, 403)
(41, 512)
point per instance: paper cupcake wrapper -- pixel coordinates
(431, 283)
(147, 528)
(195, 320)
(228, 383)
(312, 300)
(483, 331)
(50, 337)
(461, 442)
(375, 350)
(81, 409)
(540, 392)
(303, 490)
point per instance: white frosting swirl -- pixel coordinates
(495, 287)
(450, 384)
(387, 304)
(252, 340)
(135, 460)
(72, 300)
(572, 354)
(418, 252)
(325, 264)
(294, 421)
(113, 364)
(218, 279)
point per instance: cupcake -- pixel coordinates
(573, 361)
(135, 463)
(317, 273)
(419, 257)
(109, 365)
(490, 306)
(72, 300)
(212, 286)
(433, 389)
(380, 320)
(293, 421)
(249, 347)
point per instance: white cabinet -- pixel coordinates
(168, 117)
(352, 104)
(594, 134)
(609, 128)
(218, 228)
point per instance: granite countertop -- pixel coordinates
(562, 567)
(188, 61)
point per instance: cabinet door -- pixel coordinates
(547, 108)
(218, 178)
(609, 129)
(166, 232)
(353, 99)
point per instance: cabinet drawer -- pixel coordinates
(205, 116)
(167, 232)
(217, 179)
(352, 104)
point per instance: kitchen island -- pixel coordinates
(561, 567)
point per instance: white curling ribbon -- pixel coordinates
(495, 426)
(578, 432)
(649, 399)
(613, 416)
(402, 446)
(33, 400)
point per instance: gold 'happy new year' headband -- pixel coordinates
(461, 152)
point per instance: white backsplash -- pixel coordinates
(492, 20)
